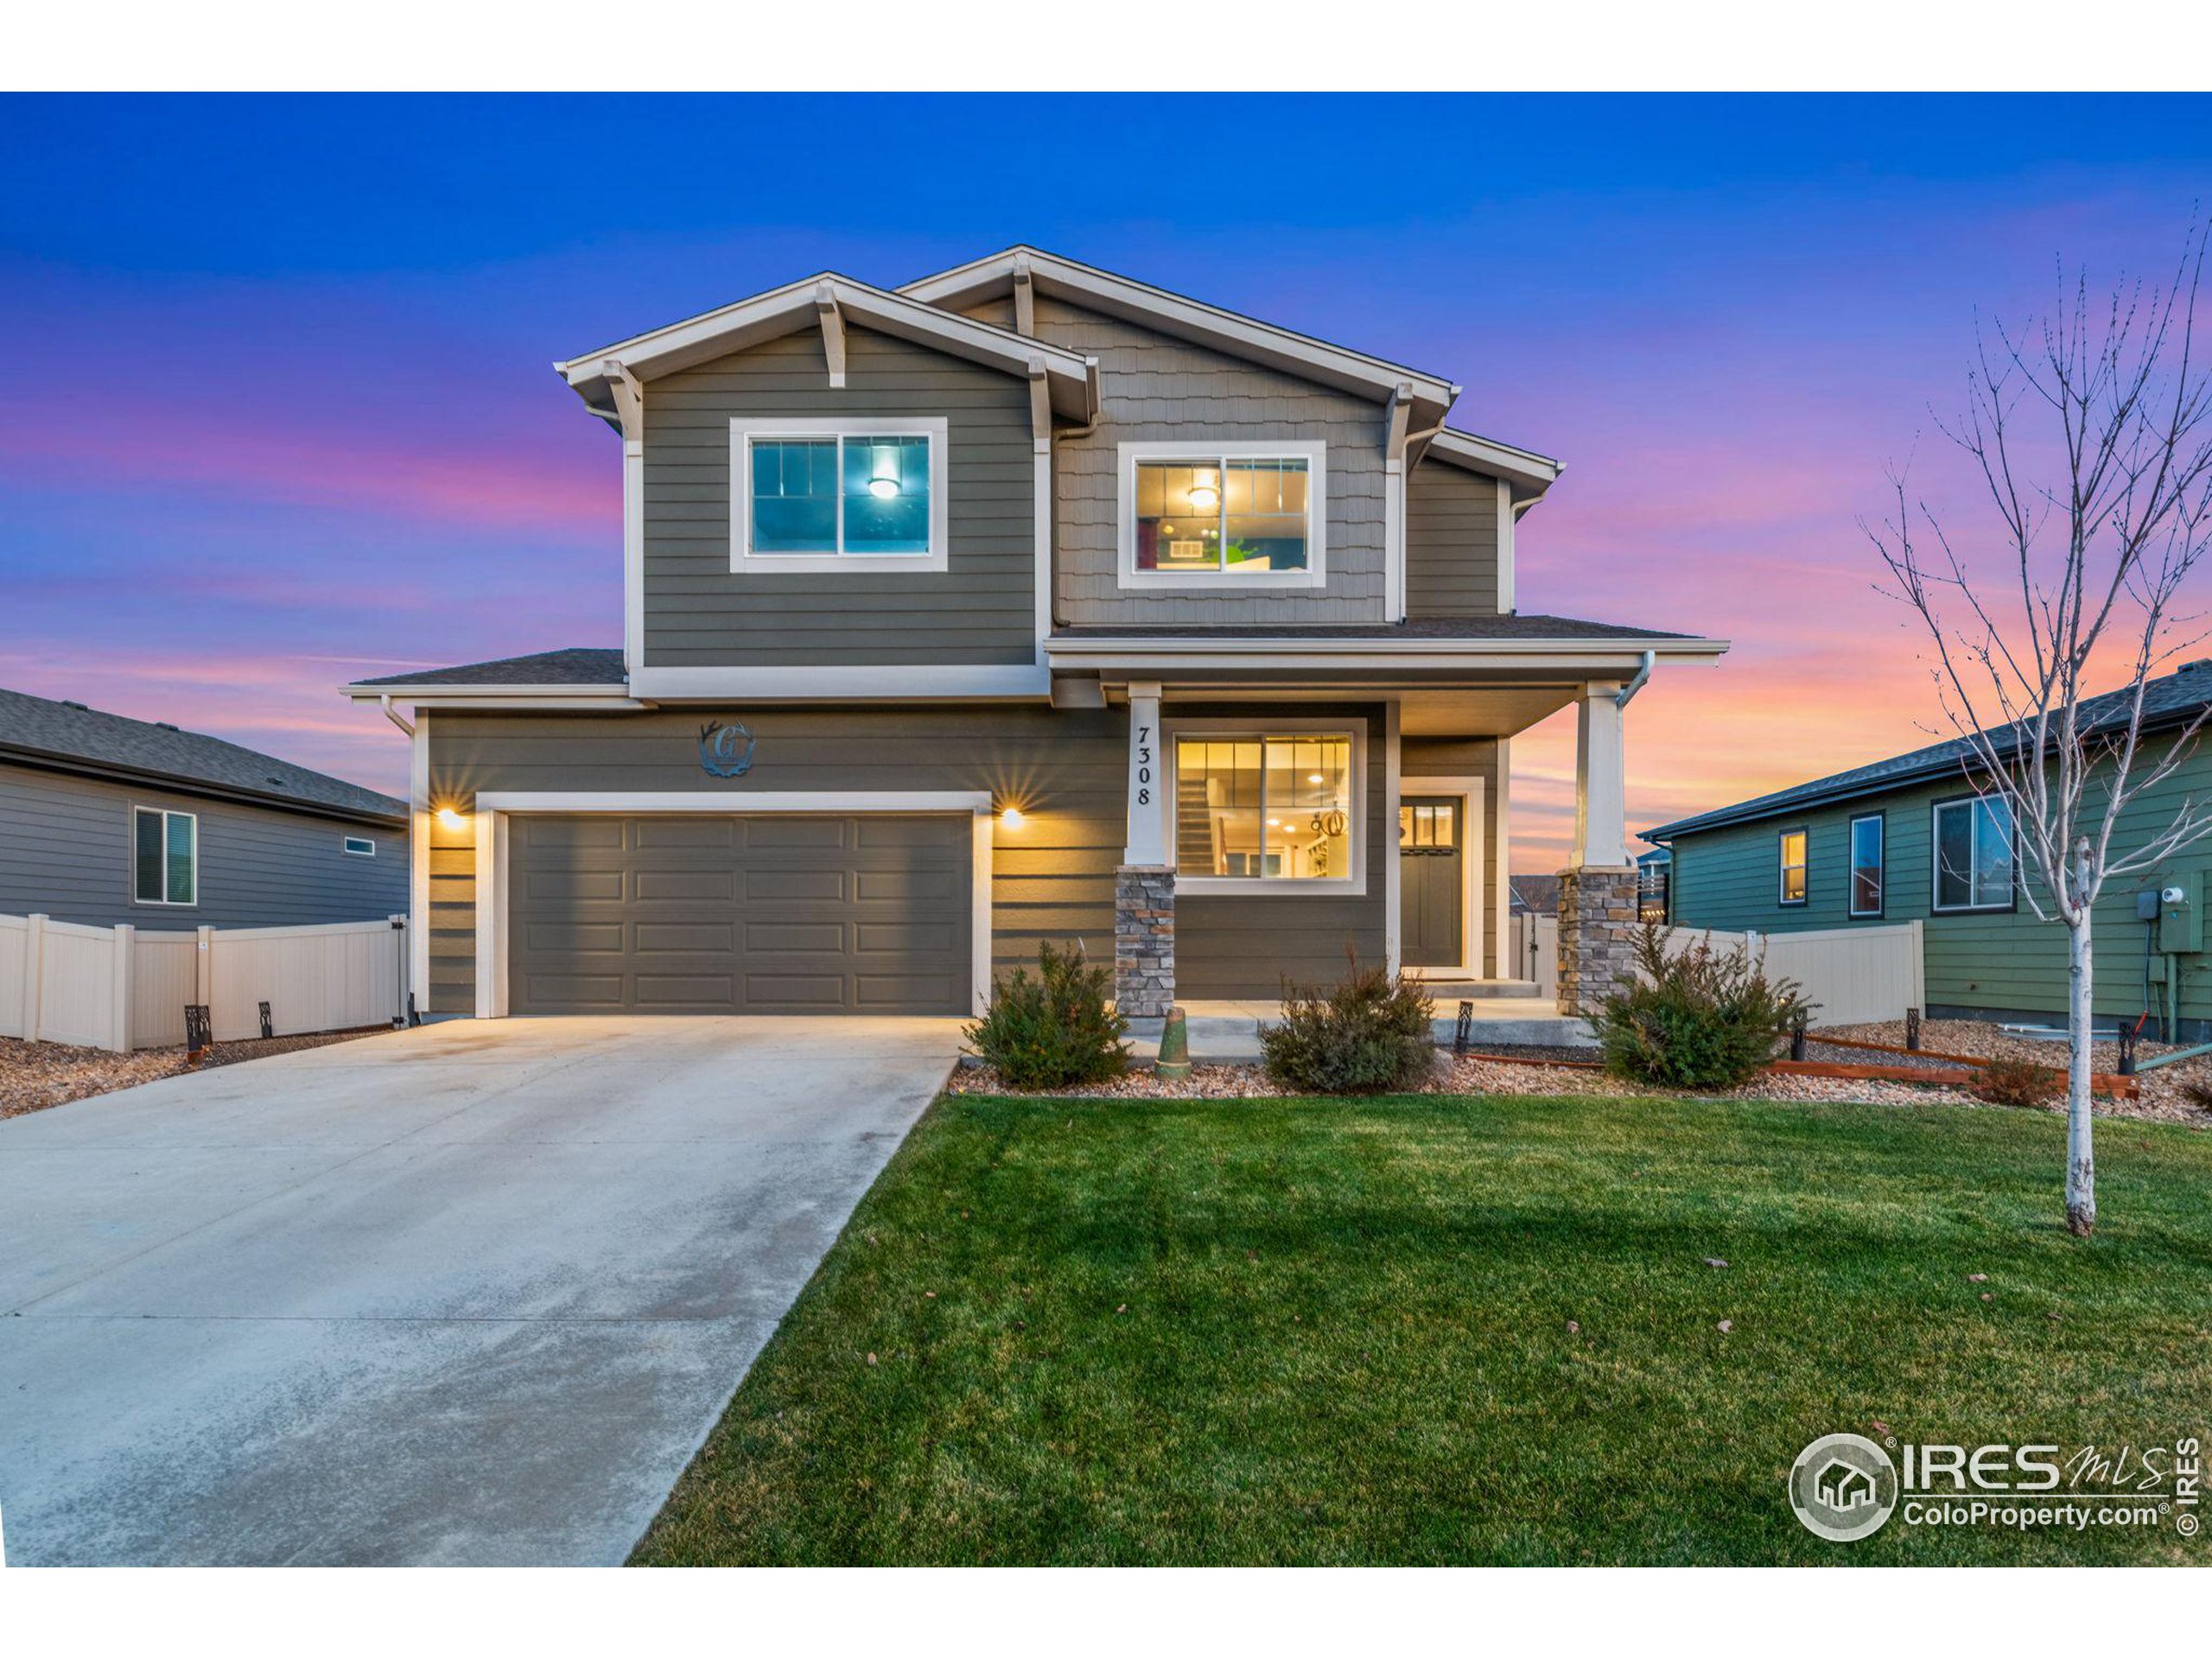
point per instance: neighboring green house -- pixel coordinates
(1857, 850)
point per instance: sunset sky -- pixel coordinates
(282, 412)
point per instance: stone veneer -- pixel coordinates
(1144, 940)
(1596, 935)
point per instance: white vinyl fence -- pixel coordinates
(115, 988)
(1857, 975)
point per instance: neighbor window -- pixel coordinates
(360, 846)
(1866, 866)
(1265, 808)
(1793, 867)
(164, 856)
(1218, 516)
(812, 491)
(1974, 854)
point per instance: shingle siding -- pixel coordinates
(1450, 542)
(65, 852)
(1996, 961)
(980, 610)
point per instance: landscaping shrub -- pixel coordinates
(1368, 1035)
(1055, 1029)
(2017, 1083)
(1703, 1018)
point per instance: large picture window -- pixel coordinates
(1264, 807)
(164, 856)
(1867, 873)
(1199, 516)
(815, 494)
(1974, 854)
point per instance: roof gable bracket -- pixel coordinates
(832, 318)
(629, 414)
(1025, 297)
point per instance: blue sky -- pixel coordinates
(283, 411)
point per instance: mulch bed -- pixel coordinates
(34, 1076)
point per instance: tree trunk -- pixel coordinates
(2081, 1163)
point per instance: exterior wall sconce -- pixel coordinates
(451, 819)
(1011, 817)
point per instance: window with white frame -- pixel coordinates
(1974, 854)
(164, 856)
(1264, 807)
(1205, 516)
(823, 494)
(360, 846)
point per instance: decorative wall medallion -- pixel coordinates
(726, 749)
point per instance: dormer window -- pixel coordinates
(1216, 516)
(827, 494)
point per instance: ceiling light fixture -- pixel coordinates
(883, 482)
(1204, 496)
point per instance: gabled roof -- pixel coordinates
(799, 305)
(1529, 473)
(1187, 319)
(69, 736)
(2170, 700)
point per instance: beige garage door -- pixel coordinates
(695, 914)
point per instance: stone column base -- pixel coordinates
(1597, 936)
(1144, 941)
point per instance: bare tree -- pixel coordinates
(2092, 434)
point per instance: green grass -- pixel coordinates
(1338, 1332)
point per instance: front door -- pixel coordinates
(1432, 897)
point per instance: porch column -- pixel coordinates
(1596, 891)
(1144, 886)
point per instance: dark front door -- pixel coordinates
(1431, 896)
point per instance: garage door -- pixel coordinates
(695, 914)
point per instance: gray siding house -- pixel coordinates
(106, 822)
(1910, 838)
(1025, 601)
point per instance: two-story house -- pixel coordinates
(1024, 602)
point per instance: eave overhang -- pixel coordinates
(1429, 396)
(1529, 473)
(1583, 658)
(196, 788)
(1069, 382)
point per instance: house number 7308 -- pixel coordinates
(1144, 766)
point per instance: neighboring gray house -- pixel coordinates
(1024, 602)
(105, 821)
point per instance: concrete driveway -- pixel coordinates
(471, 1294)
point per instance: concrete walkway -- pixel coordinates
(470, 1294)
(1228, 1032)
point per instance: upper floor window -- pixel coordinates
(1974, 854)
(1268, 806)
(164, 856)
(1792, 859)
(1866, 859)
(1222, 515)
(821, 494)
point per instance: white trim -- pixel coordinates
(1393, 793)
(1506, 596)
(745, 430)
(1315, 455)
(796, 306)
(1395, 423)
(1531, 472)
(1469, 790)
(630, 419)
(367, 849)
(1004, 682)
(486, 695)
(1147, 843)
(418, 862)
(1353, 727)
(165, 814)
(1175, 314)
(736, 804)
(1548, 653)
(1502, 920)
(493, 807)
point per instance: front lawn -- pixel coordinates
(1445, 1330)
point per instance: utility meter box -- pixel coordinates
(2181, 915)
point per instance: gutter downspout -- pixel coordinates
(1622, 697)
(394, 715)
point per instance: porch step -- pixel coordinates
(1228, 1034)
(1456, 990)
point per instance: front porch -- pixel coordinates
(1226, 1032)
